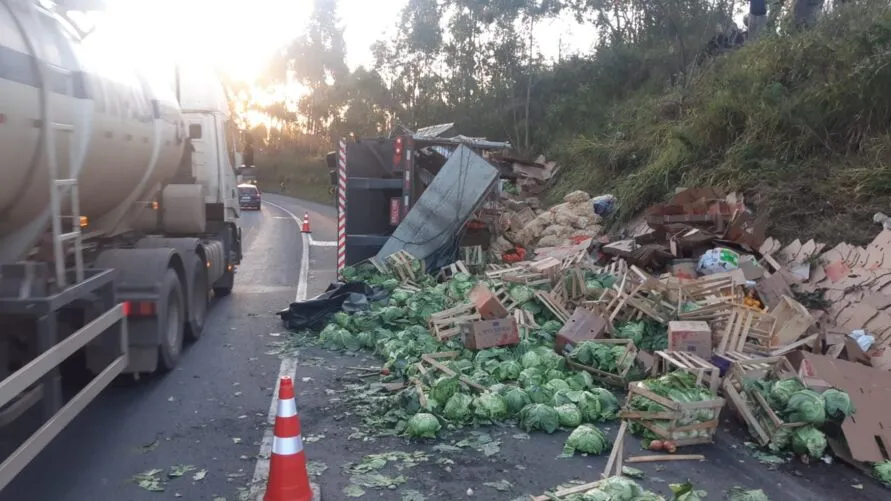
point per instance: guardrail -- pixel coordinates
(48, 361)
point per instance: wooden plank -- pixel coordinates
(449, 372)
(616, 456)
(674, 457)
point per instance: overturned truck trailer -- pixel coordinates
(378, 181)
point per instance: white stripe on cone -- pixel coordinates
(287, 408)
(287, 446)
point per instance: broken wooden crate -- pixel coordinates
(746, 329)
(402, 264)
(706, 373)
(751, 406)
(680, 422)
(624, 363)
(447, 324)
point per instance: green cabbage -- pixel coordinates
(562, 397)
(539, 394)
(806, 406)
(552, 327)
(339, 338)
(443, 388)
(490, 406)
(423, 425)
(516, 399)
(531, 360)
(521, 293)
(569, 415)
(531, 376)
(620, 489)
(608, 403)
(882, 471)
(838, 404)
(580, 381)
(391, 314)
(457, 408)
(341, 319)
(366, 339)
(400, 297)
(781, 391)
(809, 440)
(539, 417)
(555, 385)
(508, 370)
(587, 439)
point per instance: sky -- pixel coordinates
(239, 36)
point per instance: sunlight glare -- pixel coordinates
(236, 36)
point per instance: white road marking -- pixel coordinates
(320, 243)
(287, 369)
(303, 277)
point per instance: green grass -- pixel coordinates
(801, 124)
(306, 177)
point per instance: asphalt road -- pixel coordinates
(211, 412)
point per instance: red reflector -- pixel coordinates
(126, 308)
(146, 308)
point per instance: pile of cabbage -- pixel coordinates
(794, 403)
(528, 383)
(648, 334)
(677, 386)
(532, 388)
(611, 358)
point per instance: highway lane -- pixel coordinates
(211, 412)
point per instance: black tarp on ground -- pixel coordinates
(314, 313)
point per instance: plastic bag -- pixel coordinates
(604, 205)
(717, 261)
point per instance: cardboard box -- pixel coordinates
(486, 304)
(868, 432)
(583, 325)
(489, 333)
(692, 337)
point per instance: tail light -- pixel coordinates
(397, 154)
(140, 309)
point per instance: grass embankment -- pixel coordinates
(305, 176)
(800, 123)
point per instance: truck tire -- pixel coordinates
(198, 300)
(171, 321)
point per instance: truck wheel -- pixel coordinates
(172, 321)
(197, 300)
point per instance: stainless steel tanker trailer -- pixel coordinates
(118, 217)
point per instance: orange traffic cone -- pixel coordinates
(288, 478)
(305, 228)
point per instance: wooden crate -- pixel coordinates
(793, 321)
(763, 422)
(720, 285)
(675, 413)
(627, 360)
(554, 305)
(453, 269)
(401, 264)
(447, 323)
(745, 326)
(706, 373)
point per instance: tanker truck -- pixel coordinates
(118, 219)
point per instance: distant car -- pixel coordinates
(248, 196)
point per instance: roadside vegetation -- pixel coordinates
(798, 120)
